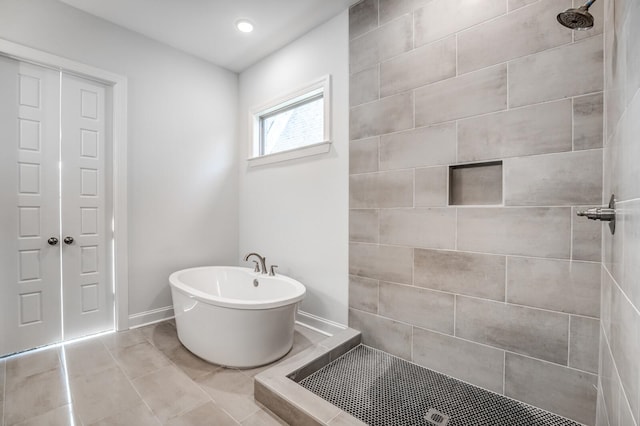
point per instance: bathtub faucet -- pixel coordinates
(263, 262)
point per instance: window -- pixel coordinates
(293, 126)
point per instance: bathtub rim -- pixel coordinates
(178, 285)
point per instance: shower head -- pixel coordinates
(577, 19)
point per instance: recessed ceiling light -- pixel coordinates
(244, 26)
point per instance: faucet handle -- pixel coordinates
(272, 270)
(256, 268)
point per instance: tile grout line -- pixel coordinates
(520, 256)
(177, 367)
(468, 118)
(504, 372)
(455, 314)
(131, 381)
(569, 342)
(485, 345)
(506, 279)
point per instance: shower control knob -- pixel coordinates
(599, 213)
(605, 214)
(52, 241)
(68, 240)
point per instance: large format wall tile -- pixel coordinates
(530, 30)
(363, 225)
(632, 36)
(431, 187)
(363, 86)
(382, 333)
(474, 363)
(557, 285)
(471, 94)
(440, 18)
(363, 17)
(384, 189)
(533, 332)
(428, 228)
(587, 237)
(436, 61)
(363, 156)
(615, 66)
(553, 74)
(625, 345)
(583, 343)
(629, 152)
(570, 393)
(631, 266)
(472, 274)
(382, 43)
(425, 146)
(610, 385)
(387, 115)
(391, 9)
(363, 294)
(526, 231)
(536, 129)
(572, 178)
(385, 263)
(428, 309)
(587, 121)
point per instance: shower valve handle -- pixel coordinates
(605, 214)
(599, 213)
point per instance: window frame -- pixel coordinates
(321, 86)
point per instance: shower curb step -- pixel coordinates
(278, 390)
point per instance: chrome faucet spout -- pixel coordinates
(263, 261)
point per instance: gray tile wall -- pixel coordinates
(619, 372)
(505, 296)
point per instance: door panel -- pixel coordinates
(88, 296)
(30, 213)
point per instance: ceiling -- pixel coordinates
(206, 28)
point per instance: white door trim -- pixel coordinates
(118, 84)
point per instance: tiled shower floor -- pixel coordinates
(383, 390)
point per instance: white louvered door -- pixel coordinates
(52, 185)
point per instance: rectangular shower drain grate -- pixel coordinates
(436, 418)
(383, 390)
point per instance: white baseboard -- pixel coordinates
(305, 319)
(149, 317)
(319, 324)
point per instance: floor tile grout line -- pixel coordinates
(131, 381)
(177, 368)
(100, 344)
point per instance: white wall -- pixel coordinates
(182, 171)
(296, 213)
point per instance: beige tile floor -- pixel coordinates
(138, 377)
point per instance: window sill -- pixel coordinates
(291, 154)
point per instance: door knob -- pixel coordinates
(68, 240)
(52, 241)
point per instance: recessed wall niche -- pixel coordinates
(476, 184)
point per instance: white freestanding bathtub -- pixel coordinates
(233, 316)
